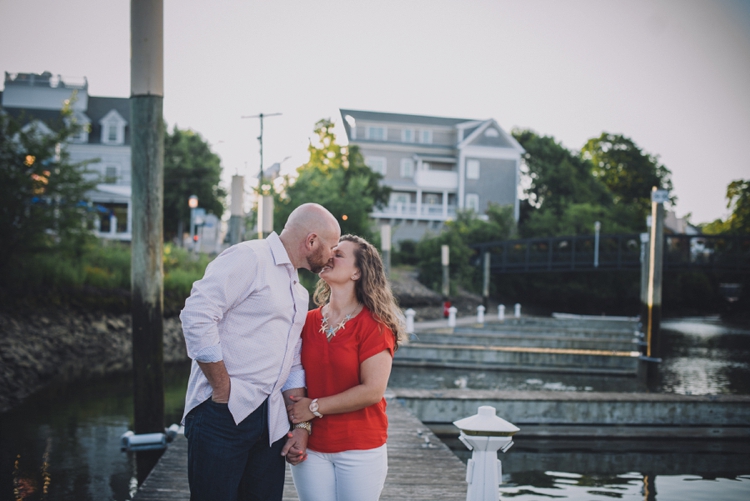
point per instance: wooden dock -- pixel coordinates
(420, 467)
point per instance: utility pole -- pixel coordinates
(260, 139)
(147, 290)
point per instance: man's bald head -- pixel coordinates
(309, 236)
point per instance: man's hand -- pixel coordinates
(295, 449)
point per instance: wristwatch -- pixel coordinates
(314, 408)
(306, 425)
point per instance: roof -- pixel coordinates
(375, 116)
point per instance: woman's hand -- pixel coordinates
(299, 411)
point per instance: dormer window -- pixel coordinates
(113, 128)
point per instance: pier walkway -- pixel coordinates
(420, 467)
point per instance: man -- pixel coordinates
(242, 325)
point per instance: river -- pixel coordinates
(63, 443)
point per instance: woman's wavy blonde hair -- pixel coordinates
(372, 288)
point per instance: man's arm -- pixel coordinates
(218, 378)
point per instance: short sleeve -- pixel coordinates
(375, 338)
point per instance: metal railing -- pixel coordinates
(616, 252)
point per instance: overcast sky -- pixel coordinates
(672, 75)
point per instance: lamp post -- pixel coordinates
(193, 204)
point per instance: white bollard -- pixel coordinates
(518, 310)
(452, 316)
(501, 312)
(484, 434)
(480, 314)
(410, 321)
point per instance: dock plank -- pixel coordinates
(420, 467)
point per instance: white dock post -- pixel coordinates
(452, 316)
(480, 314)
(484, 434)
(410, 320)
(517, 311)
(501, 312)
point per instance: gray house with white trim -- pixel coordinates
(105, 138)
(435, 166)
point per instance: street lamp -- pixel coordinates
(193, 204)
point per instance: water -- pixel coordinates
(702, 356)
(63, 443)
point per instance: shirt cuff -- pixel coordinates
(210, 354)
(296, 379)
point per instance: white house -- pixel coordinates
(105, 138)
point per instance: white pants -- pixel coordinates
(342, 476)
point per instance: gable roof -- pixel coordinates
(398, 118)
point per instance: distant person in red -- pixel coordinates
(347, 352)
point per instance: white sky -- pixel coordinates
(672, 75)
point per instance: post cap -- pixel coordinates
(486, 423)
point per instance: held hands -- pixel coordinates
(299, 411)
(295, 449)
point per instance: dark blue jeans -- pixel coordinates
(232, 462)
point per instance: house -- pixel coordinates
(103, 139)
(435, 166)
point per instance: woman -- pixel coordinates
(347, 350)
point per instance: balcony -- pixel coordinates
(426, 212)
(437, 179)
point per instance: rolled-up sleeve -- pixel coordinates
(228, 279)
(296, 377)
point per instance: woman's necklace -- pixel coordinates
(331, 331)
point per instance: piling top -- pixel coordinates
(487, 423)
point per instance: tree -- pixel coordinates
(738, 201)
(42, 194)
(190, 168)
(558, 177)
(337, 178)
(627, 171)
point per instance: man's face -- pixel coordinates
(323, 252)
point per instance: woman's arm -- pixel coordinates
(375, 372)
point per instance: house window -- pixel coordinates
(407, 135)
(112, 133)
(377, 133)
(110, 174)
(407, 167)
(400, 199)
(472, 202)
(377, 164)
(425, 136)
(431, 199)
(472, 169)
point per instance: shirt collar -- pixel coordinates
(278, 251)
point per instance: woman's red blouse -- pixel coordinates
(333, 367)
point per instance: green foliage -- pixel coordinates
(42, 194)
(627, 171)
(738, 201)
(465, 230)
(558, 177)
(190, 168)
(337, 178)
(405, 254)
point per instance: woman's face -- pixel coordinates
(340, 268)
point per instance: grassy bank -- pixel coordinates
(95, 277)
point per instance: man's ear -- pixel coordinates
(312, 238)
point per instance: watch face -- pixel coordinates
(314, 407)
